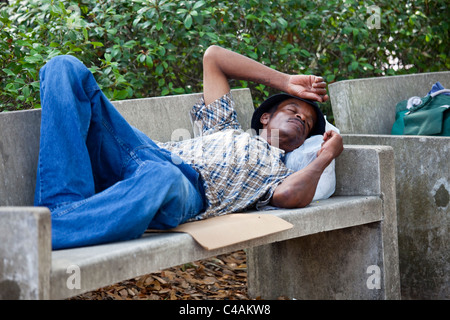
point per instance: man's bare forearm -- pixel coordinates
(220, 65)
(297, 190)
(232, 65)
(236, 66)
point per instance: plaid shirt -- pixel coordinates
(239, 170)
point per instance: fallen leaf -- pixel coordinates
(209, 280)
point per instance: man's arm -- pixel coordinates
(298, 189)
(220, 65)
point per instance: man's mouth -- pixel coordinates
(298, 122)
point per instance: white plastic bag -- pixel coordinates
(305, 154)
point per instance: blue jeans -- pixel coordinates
(102, 179)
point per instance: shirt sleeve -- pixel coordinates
(216, 116)
(265, 199)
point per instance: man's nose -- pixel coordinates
(300, 116)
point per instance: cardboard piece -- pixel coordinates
(229, 229)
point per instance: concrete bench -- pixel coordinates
(364, 111)
(344, 247)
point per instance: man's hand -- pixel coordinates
(298, 189)
(332, 144)
(307, 87)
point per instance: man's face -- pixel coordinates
(294, 120)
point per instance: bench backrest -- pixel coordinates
(158, 117)
(367, 106)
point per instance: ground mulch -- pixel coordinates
(222, 277)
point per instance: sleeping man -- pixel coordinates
(103, 180)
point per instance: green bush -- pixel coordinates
(142, 48)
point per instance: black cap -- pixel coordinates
(319, 127)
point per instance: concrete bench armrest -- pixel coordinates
(365, 170)
(25, 235)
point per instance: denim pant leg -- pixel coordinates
(64, 171)
(158, 194)
(102, 179)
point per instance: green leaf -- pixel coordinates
(23, 43)
(159, 69)
(182, 11)
(347, 30)
(354, 65)
(136, 21)
(112, 31)
(26, 91)
(9, 72)
(149, 62)
(305, 53)
(198, 4)
(85, 34)
(179, 90)
(96, 44)
(252, 55)
(250, 17)
(283, 22)
(33, 59)
(122, 94)
(35, 85)
(367, 66)
(188, 21)
(130, 91)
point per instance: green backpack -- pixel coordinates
(428, 116)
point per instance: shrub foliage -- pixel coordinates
(142, 48)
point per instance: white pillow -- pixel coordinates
(305, 154)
